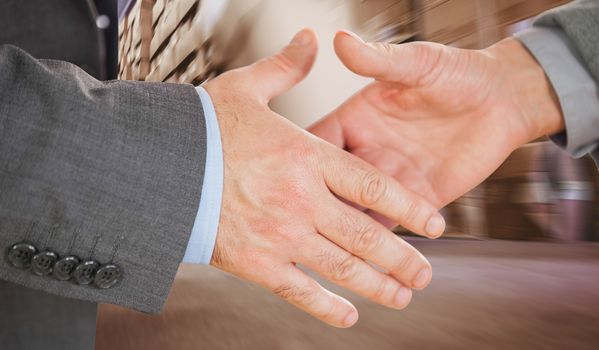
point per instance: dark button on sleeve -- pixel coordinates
(43, 263)
(63, 269)
(20, 255)
(107, 276)
(84, 273)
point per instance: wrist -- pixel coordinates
(529, 89)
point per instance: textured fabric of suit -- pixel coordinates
(580, 22)
(122, 162)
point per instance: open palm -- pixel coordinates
(439, 119)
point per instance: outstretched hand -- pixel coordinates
(440, 119)
(281, 203)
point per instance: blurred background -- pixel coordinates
(517, 266)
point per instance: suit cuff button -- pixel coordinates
(20, 255)
(84, 273)
(107, 276)
(43, 263)
(64, 268)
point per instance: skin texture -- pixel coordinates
(440, 119)
(282, 201)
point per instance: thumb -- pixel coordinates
(404, 63)
(276, 74)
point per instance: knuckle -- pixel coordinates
(285, 291)
(385, 48)
(388, 51)
(331, 313)
(381, 291)
(295, 294)
(366, 239)
(410, 210)
(374, 188)
(431, 56)
(282, 62)
(344, 269)
(405, 261)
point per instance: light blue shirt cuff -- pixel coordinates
(203, 234)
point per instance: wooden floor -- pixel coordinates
(484, 295)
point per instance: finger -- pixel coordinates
(276, 74)
(408, 63)
(353, 273)
(360, 235)
(302, 291)
(363, 184)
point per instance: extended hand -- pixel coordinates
(440, 119)
(280, 208)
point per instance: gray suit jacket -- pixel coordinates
(103, 171)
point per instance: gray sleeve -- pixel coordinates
(579, 21)
(575, 88)
(107, 171)
(565, 42)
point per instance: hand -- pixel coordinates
(440, 119)
(279, 204)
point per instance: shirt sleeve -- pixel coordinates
(203, 234)
(577, 91)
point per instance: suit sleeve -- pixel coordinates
(109, 172)
(565, 42)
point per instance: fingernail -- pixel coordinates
(352, 34)
(422, 278)
(435, 225)
(403, 297)
(350, 319)
(303, 38)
